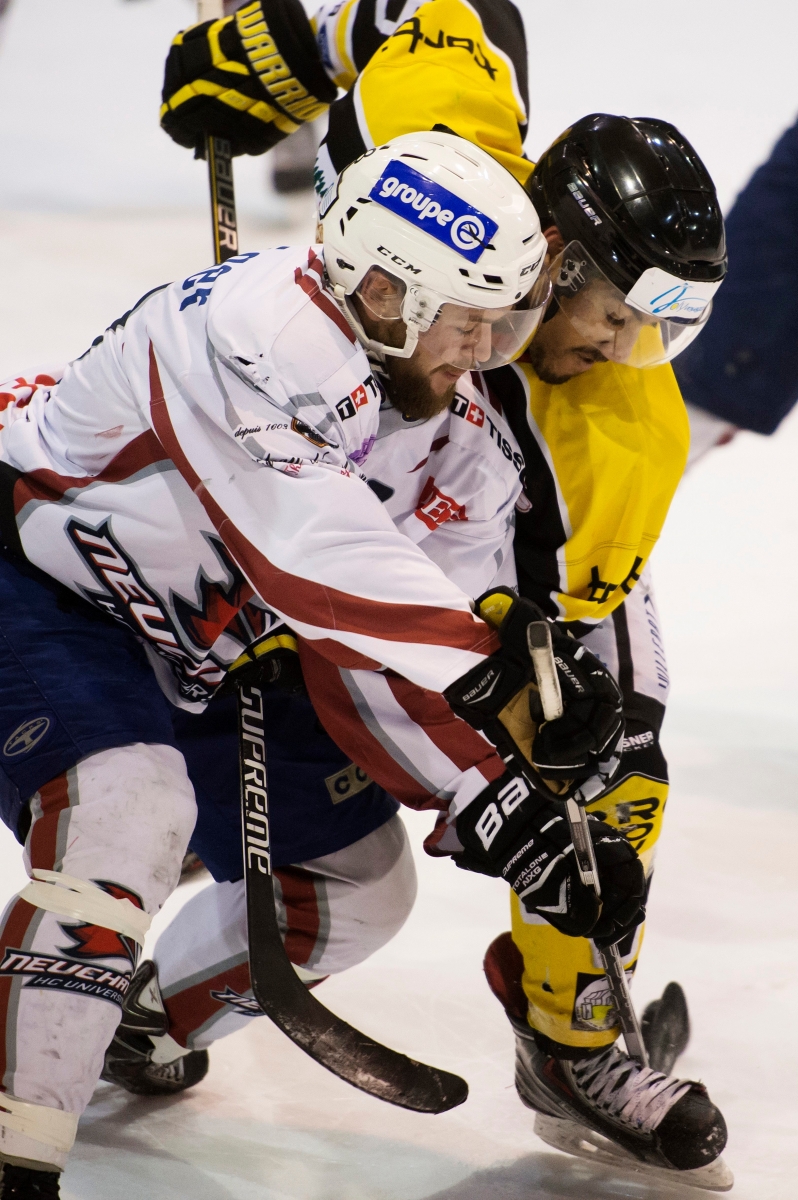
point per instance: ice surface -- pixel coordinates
(267, 1122)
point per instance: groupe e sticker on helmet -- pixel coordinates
(433, 208)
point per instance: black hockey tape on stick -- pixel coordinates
(333, 1043)
(542, 655)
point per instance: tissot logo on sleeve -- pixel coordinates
(433, 208)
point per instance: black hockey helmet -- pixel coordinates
(636, 195)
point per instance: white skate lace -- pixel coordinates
(623, 1089)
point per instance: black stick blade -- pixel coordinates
(666, 1028)
(282, 996)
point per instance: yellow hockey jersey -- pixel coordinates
(605, 451)
(460, 64)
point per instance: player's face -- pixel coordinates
(598, 327)
(459, 340)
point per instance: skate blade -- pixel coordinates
(575, 1139)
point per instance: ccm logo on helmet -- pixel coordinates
(400, 262)
(434, 209)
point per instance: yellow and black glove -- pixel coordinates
(578, 754)
(273, 660)
(252, 78)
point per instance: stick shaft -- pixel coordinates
(621, 998)
(538, 637)
(224, 221)
(542, 654)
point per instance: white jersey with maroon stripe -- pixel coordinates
(204, 459)
(451, 485)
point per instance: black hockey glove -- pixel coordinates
(252, 78)
(274, 661)
(580, 752)
(510, 831)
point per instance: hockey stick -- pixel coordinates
(280, 993)
(666, 1028)
(542, 655)
(224, 222)
(276, 986)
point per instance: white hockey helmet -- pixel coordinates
(456, 230)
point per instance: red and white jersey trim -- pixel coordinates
(214, 438)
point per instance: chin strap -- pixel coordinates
(373, 347)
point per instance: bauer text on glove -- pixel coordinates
(512, 832)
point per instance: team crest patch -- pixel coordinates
(435, 209)
(26, 736)
(594, 1010)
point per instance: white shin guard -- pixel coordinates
(104, 849)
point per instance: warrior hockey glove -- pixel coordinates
(252, 78)
(511, 832)
(273, 660)
(580, 752)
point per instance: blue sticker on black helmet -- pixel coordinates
(434, 209)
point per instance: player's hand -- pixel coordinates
(252, 78)
(510, 831)
(274, 660)
(579, 753)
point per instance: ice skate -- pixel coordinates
(25, 1183)
(602, 1105)
(607, 1108)
(143, 1058)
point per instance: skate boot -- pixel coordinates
(143, 1058)
(25, 1183)
(602, 1105)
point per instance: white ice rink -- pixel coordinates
(97, 207)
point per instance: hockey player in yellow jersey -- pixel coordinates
(636, 251)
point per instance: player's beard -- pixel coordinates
(410, 390)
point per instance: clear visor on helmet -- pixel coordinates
(648, 326)
(457, 335)
(479, 339)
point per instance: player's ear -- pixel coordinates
(555, 241)
(382, 294)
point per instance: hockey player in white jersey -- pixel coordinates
(448, 482)
(206, 455)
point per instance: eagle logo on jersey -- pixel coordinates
(95, 941)
(132, 602)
